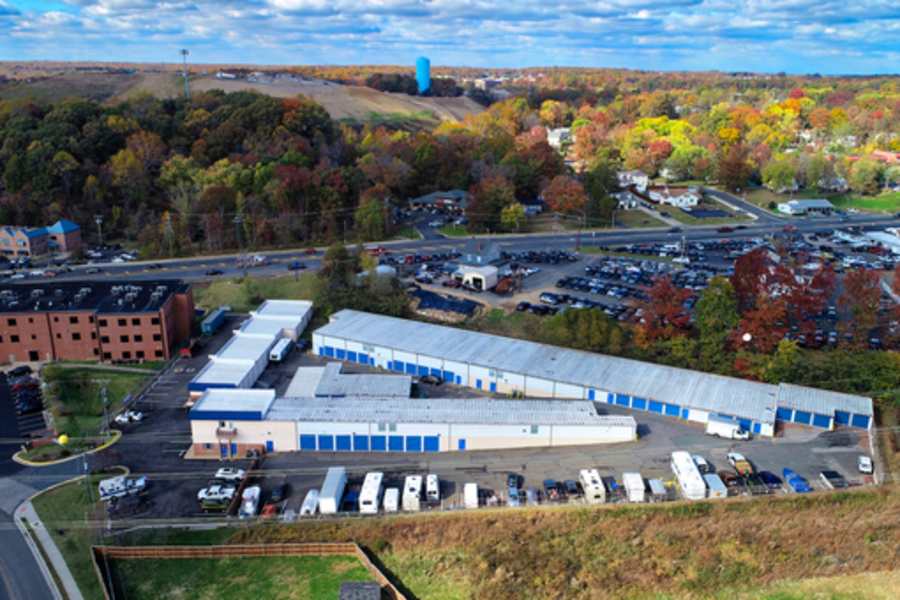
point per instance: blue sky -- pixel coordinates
(797, 36)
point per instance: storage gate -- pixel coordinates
(667, 409)
(369, 443)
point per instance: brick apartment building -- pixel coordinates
(62, 236)
(107, 321)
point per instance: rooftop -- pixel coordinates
(63, 226)
(222, 373)
(248, 348)
(716, 393)
(484, 411)
(99, 296)
(217, 404)
(811, 203)
(329, 381)
(283, 308)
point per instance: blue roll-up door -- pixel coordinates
(361, 443)
(379, 443)
(821, 420)
(622, 400)
(801, 416)
(423, 371)
(413, 443)
(841, 417)
(233, 448)
(610, 398)
(328, 351)
(432, 443)
(372, 361)
(351, 355)
(270, 446)
(343, 443)
(672, 410)
(395, 443)
(478, 383)
(448, 376)
(459, 380)
(757, 428)
(307, 442)
(340, 353)
(326, 443)
(861, 421)
(784, 414)
(223, 450)
(362, 358)
(410, 369)
(746, 424)
(656, 407)
(638, 403)
(493, 386)
(461, 444)
(436, 372)
(592, 394)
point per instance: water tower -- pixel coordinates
(423, 74)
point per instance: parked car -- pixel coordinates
(129, 416)
(214, 272)
(230, 474)
(833, 480)
(772, 481)
(216, 492)
(19, 371)
(864, 464)
(571, 487)
(296, 266)
(796, 482)
(702, 465)
(551, 491)
(431, 379)
(279, 492)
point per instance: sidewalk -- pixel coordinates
(26, 511)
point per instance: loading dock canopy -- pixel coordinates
(663, 384)
(480, 411)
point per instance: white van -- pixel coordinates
(412, 492)
(433, 488)
(391, 500)
(470, 495)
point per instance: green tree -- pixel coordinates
(599, 183)
(716, 316)
(864, 176)
(779, 175)
(369, 219)
(512, 216)
(785, 364)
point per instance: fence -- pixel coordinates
(101, 554)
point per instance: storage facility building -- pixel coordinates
(227, 423)
(505, 366)
(330, 382)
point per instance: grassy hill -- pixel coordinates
(784, 548)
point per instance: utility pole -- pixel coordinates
(238, 222)
(184, 74)
(98, 219)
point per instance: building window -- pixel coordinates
(91, 319)
(154, 321)
(104, 339)
(135, 321)
(158, 354)
(157, 337)
(33, 336)
(56, 319)
(73, 320)
(381, 427)
(123, 339)
(139, 354)
(123, 322)
(31, 319)
(126, 355)
(392, 427)
(11, 322)
(102, 322)
(96, 352)
(14, 339)
(107, 356)
(138, 338)
(534, 429)
(76, 336)
(93, 335)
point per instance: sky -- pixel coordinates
(795, 36)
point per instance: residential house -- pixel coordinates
(636, 179)
(559, 137)
(684, 199)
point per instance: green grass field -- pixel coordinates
(454, 230)
(64, 511)
(275, 577)
(887, 202)
(243, 295)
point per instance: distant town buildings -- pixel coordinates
(688, 198)
(62, 236)
(636, 179)
(449, 200)
(803, 207)
(559, 137)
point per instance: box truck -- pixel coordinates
(726, 428)
(470, 495)
(688, 476)
(592, 484)
(391, 500)
(433, 488)
(332, 491)
(370, 495)
(634, 486)
(717, 489)
(412, 492)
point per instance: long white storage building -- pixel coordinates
(505, 365)
(228, 422)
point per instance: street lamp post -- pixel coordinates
(98, 219)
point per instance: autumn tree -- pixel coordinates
(762, 326)
(488, 199)
(664, 314)
(512, 216)
(734, 167)
(565, 195)
(861, 298)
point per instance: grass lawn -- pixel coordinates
(75, 397)
(882, 585)
(454, 230)
(636, 219)
(407, 233)
(243, 295)
(276, 577)
(64, 510)
(888, 202)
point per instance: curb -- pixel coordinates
(35, 551)
(116, 436)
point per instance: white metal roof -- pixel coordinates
(223, 372)
(268, 326)
(330, 381)
(283, 308)
(245, 348)
(823, 402)
(444, 410)
(810, 203)
(219, 400)
(716, 393)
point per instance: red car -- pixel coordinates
(269, 511)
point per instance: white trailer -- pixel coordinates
(310, 503)
(470, 495)
(726, 428)
(121, 486)
(433, 488)
(332, 491)
(592, 484)
(688, 476)
(391, 500)
(716, 487)
(370, 495)
(280, 350)
(634, 486)
(412, 492)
